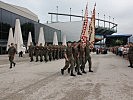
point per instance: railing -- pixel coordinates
(100, 22)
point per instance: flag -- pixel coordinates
(85, 27)
(92, 27)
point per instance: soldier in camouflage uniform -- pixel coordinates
(36, 52)
(69, 59)
(31, 51)
(82, 57)
(87, 55)
(45, 52)
(50, 52)
(76, 57)
(130, 55)
(41, 49)
(11, 53)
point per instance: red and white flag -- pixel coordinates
(92, 27)
(85, 27)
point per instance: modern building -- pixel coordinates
(29, 23)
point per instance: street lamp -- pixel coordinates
(57, 14)
(70, 14)
(82, 15)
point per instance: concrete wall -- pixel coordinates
(71, 29)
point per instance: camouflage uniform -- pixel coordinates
(36, 52)
(88, 57)
(11, 53)
(130, 56)
(41, 49)
(82, 57)
(70, 61)
(31, 52)
(45, 53)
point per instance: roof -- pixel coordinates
(19, 10)
(119, 35)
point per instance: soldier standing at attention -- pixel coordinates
(41, 49)
(76, 58)
(11, 52)
(45, 53)
(87, 55)
(31, 51)
(36, 52)
(130, 55)
(68, 54)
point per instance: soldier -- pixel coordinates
(130, 55)
(11, 54)
(69, 59)
(50, 52)
(82, 57)
(31, 51)
(45, 52)
(76, 57)
(41, 49)
(87, 55)
(36, 52)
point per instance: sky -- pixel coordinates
(120, 10)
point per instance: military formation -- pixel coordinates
(76, 55)
(45, 53)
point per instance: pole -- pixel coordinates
(104, 20)
(57, 14)
(82, 15)
(70, 14)
(98, 19)
(109, 22)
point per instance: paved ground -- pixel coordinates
(111, 80)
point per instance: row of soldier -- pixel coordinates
(46, 52)
(76, 56)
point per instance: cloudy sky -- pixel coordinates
(120, 10)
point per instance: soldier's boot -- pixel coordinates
(31, 60)
(10, 65)
(90, 70)
(76, 69)
(78, 72)
(14, 64)
(83, 71)
(68, 70)
(72, 73)
(62, 71)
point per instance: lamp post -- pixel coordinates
(109, 22)
(104, 20)
(70, 14)
(57, 14)
(98, 19)
(82, 15)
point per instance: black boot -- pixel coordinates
(72, 73)
(75, 69)
(14, 64)
(62, 71)
(83, 71)
(68, 70)
(90, 70)
(78, 72)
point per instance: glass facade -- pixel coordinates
(7, 20)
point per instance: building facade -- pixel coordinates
(29, 23)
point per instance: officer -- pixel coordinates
(41, 49)
(87, 55)
(11, 53)
(130, 55)
(69, 60)
(36, 52)
(76, 57)
(31, 51)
